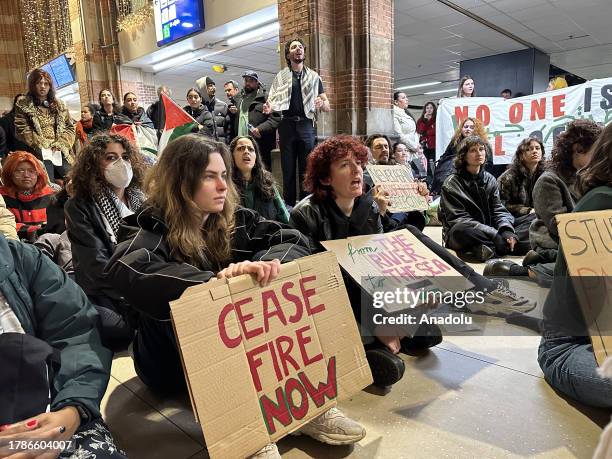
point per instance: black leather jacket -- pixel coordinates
(473, 199)
(324, 221)
(144, 269)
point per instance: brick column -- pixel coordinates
(12, 55)
(350, 44)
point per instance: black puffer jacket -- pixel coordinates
(473, 199)
(103, 121)
(219, 109)
(204, 118)
(127, 117)
(145, 271)
(324, 221)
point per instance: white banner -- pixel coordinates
(543, 115)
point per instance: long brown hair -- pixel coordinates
(171, 186)
(87, 176)
(33, 78)
(517, 162)
(263, 180)
(460, 88)
(599, 171)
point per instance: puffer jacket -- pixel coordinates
(551, 196)
(219, 109)
(516, 189)
(473, 199)
(127, 117)
(53, 308)
(324, 221)
(144, 269)
(7, 221)
(29, 131)
(204, 118)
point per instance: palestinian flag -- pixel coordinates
(173, 121)
(143, 137)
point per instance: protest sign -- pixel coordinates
(401, 186)
(586, 239)
(543, 115)
(395, 260)
(261, 362)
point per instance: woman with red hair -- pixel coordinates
(340, 207)
(26, 193)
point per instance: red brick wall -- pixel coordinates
(355, 22)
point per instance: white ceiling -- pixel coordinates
(262, 57)
(431, 38)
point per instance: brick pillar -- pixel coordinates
(12, 55)
(350, 44)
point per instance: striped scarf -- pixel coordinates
(280, 91)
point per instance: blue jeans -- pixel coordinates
(569, 366)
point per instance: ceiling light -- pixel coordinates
(219, 68)
(420, 85)
(261, 31)
(440, 91)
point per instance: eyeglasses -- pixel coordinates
(21, 172)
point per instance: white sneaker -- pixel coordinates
(270, 451)
(503, 301)
(333, 428)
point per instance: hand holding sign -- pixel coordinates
(382, 199)
(265, 271)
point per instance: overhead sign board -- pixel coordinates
(177, 19)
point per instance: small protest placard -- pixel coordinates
(395, 260)
(262, 362)
(401, 186)
(586, 239)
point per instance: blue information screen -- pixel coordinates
(177, 19)
(60, 71)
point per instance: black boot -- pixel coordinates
(387, 368)
(426, 336)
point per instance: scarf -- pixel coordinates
(280, 91)
(108, 202)
(82, 128)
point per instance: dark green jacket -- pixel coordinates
(53, 308)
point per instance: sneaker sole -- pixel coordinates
(503, 311)
(332, 439)
(385, 370)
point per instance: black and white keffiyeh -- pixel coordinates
(108, 202)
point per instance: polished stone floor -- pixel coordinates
(470, 397)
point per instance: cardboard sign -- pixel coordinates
(395, 260)
(543, 115)
(261, 362)
(402, 189)
(586, 238)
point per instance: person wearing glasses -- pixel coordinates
(26, 193)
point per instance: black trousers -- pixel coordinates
(464, 237)
(297, 139)
(57, 172)
(521, 228)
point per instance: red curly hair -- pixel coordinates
(12, 162)
(324, 155)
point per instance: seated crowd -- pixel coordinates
(120, 239)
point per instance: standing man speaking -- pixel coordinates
(297, 92)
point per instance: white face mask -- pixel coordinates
(119, 173)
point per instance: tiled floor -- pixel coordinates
(470, 397)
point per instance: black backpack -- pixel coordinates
(28, 366)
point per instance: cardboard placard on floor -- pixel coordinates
(261, 362)
(586, 239)
(402, 188)
(395, 260)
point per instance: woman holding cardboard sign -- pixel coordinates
(192, 230)
(339, 208)
(566, 352)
